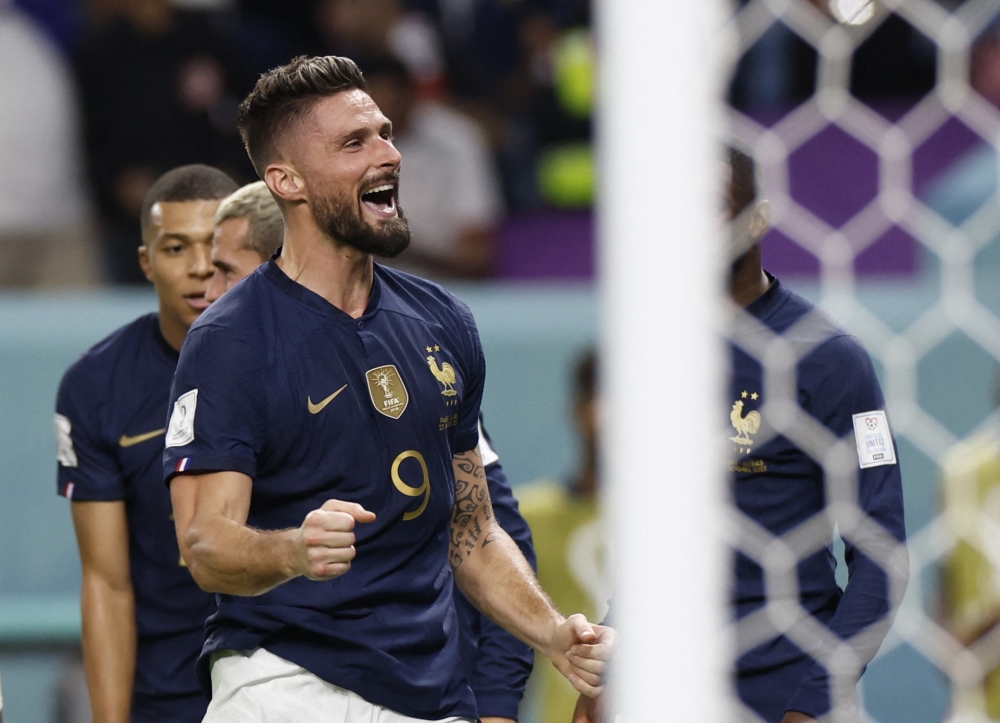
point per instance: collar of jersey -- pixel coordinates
(763, 307)
(168, 351)
(314, 301)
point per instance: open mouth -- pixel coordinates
(381, 200)
(197, 301)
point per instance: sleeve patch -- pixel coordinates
(485, 450)
(65, 452)
(871, 432)
(180, 431)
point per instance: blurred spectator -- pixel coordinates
(293, 20)
(449, 190)
(362, 29)
(552, 87)
(896, 62)
(160, 87)
(570, 540)
(43, 230)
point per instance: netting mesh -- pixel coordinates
(916, 187)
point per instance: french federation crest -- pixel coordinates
(387, 391)
(445, 374)
(745, 425)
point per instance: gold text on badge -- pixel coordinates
(387, 391)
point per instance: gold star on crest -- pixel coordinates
(743, 395)
(755, 396)
(429, 350)
(437, 348)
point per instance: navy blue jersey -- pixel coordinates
(779, 486)
(497, 663)
(109, 423)
(278, 384)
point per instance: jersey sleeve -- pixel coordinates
(474, 372)
(500, 664)
(88, 468)
(845, 392)
(218, 412)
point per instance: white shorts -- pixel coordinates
(256, 686)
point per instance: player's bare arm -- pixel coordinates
(108, 607)
(225, 555)
(491, 570)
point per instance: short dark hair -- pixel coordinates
(196, 182)
(284, 94)
(743, 185)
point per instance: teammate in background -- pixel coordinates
(143, 614)
(248, 230)
(569, 539)
(778, 486)
(342, 397)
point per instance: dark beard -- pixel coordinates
(340, 221)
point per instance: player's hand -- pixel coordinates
(589, 710)
(325, 542)
(584, 669)
(793, 716)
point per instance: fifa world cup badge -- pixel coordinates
(387, 391)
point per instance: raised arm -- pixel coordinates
(225, 555)
(498, 664)
(108, 606)
(491, 570)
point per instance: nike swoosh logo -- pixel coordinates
(317, 408)
(127, 441)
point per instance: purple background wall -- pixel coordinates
(832, 175)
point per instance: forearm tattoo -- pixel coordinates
(472, 510)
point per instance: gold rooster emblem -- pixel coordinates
(444, 374)
(744, 426)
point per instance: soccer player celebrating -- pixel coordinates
(322, 452)
(779, 486)
(248, 230)
(143, 614)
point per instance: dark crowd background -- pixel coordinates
(492, 99)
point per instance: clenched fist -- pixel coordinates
(324, 544)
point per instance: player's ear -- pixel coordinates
(760, 219)
(285, 182)
(144, 264)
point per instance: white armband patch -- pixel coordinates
(871, 432)
(180, 431)
(65, 452)
(485, 450)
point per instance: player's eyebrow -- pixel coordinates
(363, 132)
(176, 236)
(222, 266)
